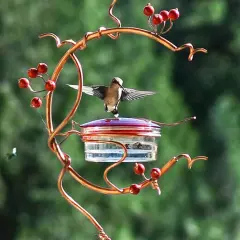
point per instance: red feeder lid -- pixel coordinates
(121, 126)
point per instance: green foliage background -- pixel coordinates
(201, 204)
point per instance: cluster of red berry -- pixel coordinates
(163, 16)
(50, 85)
(139, 169)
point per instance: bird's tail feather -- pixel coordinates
(73, 86)
(85, 89)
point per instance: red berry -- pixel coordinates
(157, 19)
(135, 189)
(174, 14)
(32, 72)
(36, 102)
(155, 173)
(50, 85)
(148, 10)
(139, 169)
(23, 83)
(42, 68)
(165, 15)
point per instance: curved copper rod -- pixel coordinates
(113, 33)
(131, 30)
(53, 133)
(52, 142)
(59, 43)
(90, 36)
(174, 160)
(143, 184)
(54, 146)
(115, 19)
(126, 190)
(169, 124)
(114, 164)
(73, 202)
(70, 52)
(114, 190)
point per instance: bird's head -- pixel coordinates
(118, 81)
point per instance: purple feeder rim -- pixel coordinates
(121, 126)
(120, 122)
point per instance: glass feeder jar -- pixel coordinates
(138, 136)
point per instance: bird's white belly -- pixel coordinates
(112, 99)
(110, 108)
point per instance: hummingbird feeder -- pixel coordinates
(137, 135)
(115, 140)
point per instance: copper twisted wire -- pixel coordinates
(114, 190)
(52, 141)
(115, 19)
(162, 124)
(103, 236)
(114, 164)
(73, 202)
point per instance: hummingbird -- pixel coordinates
(113, 94)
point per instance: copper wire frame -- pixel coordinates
(55, 146)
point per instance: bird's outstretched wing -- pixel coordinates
(129, 94)
(96, 90)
